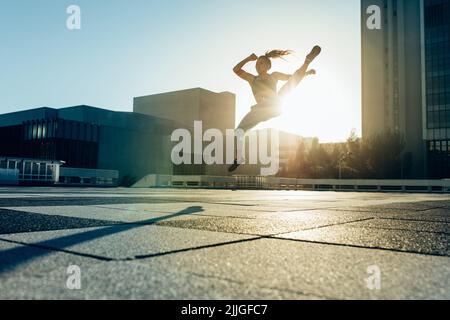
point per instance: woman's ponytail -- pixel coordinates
(277, 54)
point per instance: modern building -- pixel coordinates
(406, 79)
(85, 137)
(93, 144)
(214, 110)
(436, 85)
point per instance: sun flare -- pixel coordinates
(319, 107)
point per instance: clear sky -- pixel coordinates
(129, 48)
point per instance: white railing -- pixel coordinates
(272, 183)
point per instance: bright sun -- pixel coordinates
(320, 107)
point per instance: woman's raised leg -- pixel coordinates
(300, 74)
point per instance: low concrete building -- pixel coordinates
(90, 138)
(214, 110)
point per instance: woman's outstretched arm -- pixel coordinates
(285, 77)
(281, 76)
(241, 73)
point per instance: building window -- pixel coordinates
(50, 129)
(67, 130)
(34, 131)
(39, 130)
(27, 168)
(44, 130)
(95, 134)
(11, 164)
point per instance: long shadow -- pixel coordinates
(71, 201)
(12, 258)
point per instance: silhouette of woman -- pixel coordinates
(264, 87)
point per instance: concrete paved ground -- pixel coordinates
(211, 244)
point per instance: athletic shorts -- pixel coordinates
(261, 112)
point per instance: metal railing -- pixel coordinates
(272, 183)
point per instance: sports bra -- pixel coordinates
(264, 88)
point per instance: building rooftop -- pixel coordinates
(186, 91)
(89, 114)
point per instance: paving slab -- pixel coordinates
(399, 206)
(12, 221)
(439, 215)
(124, 241)
(216, 208)
(113, 214)
(259, 227)
(330, 272)
(47, 276)
(25, 261)
(404, 225)
(402, 240)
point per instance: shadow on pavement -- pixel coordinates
(12, 258)
(72, 201)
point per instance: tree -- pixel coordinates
(385, 155)
(379, 157)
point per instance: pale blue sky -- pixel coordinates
(129, 48)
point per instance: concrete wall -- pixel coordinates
(215, 110)
(134, 153)
(88, 177)
(374, 115)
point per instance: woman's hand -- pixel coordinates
(241, 73)
(252, 57)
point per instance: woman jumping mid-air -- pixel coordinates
(264, 87)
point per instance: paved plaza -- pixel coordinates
(219, 244)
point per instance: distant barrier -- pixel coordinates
(272, 183)
(9, 177)
(77, 177)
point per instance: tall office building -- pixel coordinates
(405, 79)
(436, 85)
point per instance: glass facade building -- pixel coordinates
(437, 73)
(52, 139)
(91, 140)
(77, 142)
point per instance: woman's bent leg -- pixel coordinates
(259, 113)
